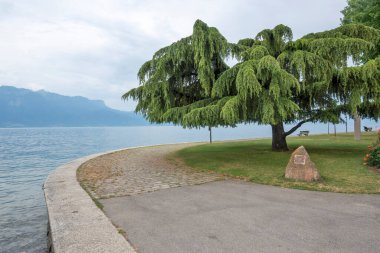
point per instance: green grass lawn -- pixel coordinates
(338, 159)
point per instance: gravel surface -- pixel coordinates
(135, 171)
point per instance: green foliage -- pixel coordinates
(247, 84)
(310, 75)
(207, 42)
(280, 80)
(248, 42)
(231, 111)
(182, 75)
(361, 88)
(365, 12)
(254, 53)
(224, 84)
(276, 39)
(358, 31)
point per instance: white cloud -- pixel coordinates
(94, 48)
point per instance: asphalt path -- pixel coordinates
(237, 216)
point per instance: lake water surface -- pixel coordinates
(28, 155)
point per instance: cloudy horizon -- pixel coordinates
(95, 48)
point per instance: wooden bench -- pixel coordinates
(303, 133)
(367, 129)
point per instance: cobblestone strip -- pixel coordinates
(135, 171)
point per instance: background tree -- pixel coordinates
(365, 12)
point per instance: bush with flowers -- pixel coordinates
(372, 157)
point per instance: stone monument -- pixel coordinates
(300, 167)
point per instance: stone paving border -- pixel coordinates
(136, 171)
(76, 224)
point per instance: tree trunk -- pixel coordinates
(346, 124)
(357, 123)
(279, 138)
(209, 129)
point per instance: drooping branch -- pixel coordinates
(293, 129)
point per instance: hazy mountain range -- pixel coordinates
(27, 108)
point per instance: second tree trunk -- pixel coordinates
(279, 138)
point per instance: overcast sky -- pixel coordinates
(94, 48)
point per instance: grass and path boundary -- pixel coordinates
(339, 160)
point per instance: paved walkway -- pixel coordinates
(228, 215)
(234, 216)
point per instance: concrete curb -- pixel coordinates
(76, 224)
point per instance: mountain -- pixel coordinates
(27, 108)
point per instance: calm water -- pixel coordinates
(28, 155)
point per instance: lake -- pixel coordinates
(28, 155)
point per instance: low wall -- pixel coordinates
(76, 224)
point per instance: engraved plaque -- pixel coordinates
(299, 159)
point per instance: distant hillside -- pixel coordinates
(26, 108)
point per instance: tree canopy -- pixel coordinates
(276, 80)
(366, 12)
(180, 77)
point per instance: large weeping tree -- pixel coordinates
(180, 77)
(283, 81)
(276, 81)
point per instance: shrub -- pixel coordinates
(372, 157)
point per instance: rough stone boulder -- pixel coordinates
(300, 167)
